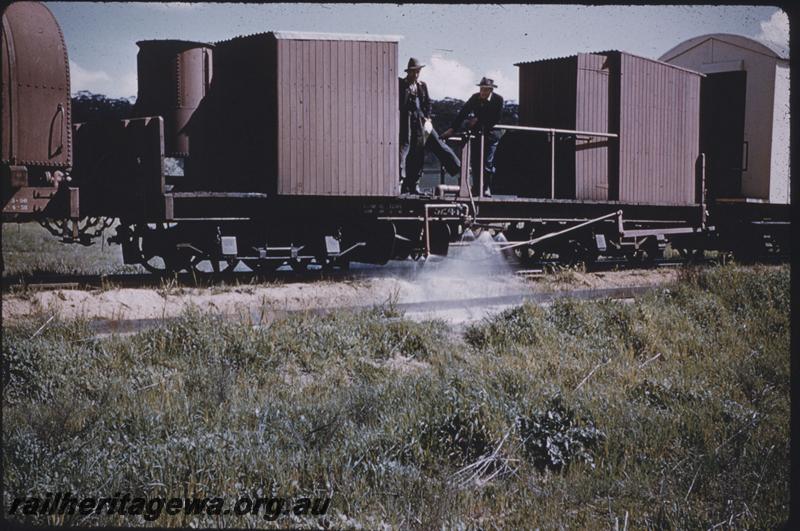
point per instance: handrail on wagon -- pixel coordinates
(551, 134)
(554, 130)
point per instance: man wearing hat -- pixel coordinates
(416, 131)
(486, 109)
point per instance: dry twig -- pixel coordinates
(591, 373)
(475, 471)
(42, 327)
(654, 358)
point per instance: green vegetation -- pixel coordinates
(672, 411)
(28, 248)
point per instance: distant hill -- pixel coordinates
(87, 107)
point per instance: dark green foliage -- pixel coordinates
(88, 107)
(553, 437)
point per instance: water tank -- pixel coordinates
(174, 77)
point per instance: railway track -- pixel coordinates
(144, 280)
(425, 309)
(286, 275)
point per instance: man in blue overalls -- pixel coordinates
(486, 107)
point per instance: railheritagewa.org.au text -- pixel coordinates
(151, 508)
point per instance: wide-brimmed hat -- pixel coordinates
(487, 82)
(414, 64)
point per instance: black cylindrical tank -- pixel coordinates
(174, 77)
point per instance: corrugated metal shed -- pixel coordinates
(753, 162)
(659, 132)
(653, 106)
(307, 113)
(338, 117)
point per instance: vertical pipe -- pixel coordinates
(703, 212)
(480, 192)
(552, 136)
(427, 233)
(464, 181)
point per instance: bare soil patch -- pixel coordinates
(149, 303)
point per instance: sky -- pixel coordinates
(458, 43)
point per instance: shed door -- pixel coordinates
(722, 132)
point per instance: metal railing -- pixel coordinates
(551, 137)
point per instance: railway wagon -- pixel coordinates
(745, 125)
(744, 117)
(281, 147)
(35, 120)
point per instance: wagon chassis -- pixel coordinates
(167, 229)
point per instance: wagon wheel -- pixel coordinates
(154, 259)
(647, 254)
(574, 253)
(692, 256)
(724, 257)
(526, 255)
(325, 263)
(639, 257)
(154, 267)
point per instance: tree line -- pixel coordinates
(87, 106)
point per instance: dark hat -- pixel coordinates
(414, 64)
(487, 82)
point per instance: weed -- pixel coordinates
(29, 249)
(554, 437)
(672, 410)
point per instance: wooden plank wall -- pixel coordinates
(659, 132)
(338, 117)
(592, 114)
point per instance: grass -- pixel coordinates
(672, 411)
(30, 249)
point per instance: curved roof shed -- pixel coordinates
(747, 80)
